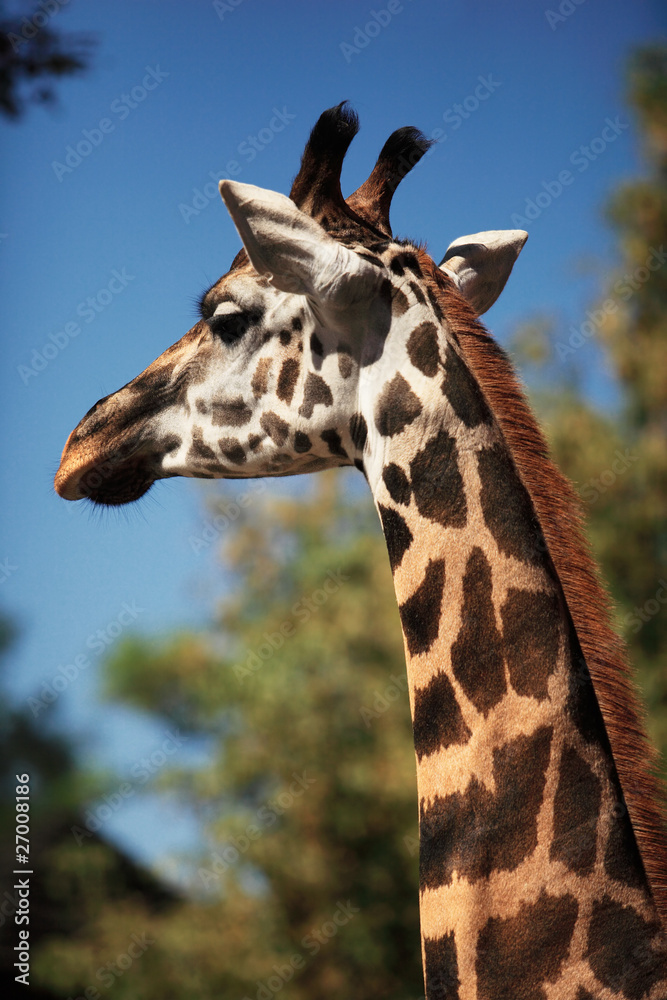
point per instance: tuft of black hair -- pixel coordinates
(334, 130)
(403, 149)
(319, 175)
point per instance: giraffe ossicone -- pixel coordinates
(329, 343)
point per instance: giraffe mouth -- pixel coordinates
(111, 480)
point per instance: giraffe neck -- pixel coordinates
(529, 869)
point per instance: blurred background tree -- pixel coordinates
(306, 878)
(33, 55)
(309, 871)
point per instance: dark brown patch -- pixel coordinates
(289, 373)
(297, 324)
(358, 431)
(477, 654)
(531, 635)
(620, 949)
(302, 442)
(345, 362)
(232, 449)
(583, 994)
(420, 614)
(417, 292)
(201, 406)
(198, 451)
(254, 441)
(464, 395)
(231, 413)
(518, 955)
(397, 407)
(437, 484)
(399, 302)
(410, 262)
(316, 345)
(315, 391)
(423, 349)
(576, 814)
(260, 380)
(622, 860)
(477, 832)
(275, 427)
(396, 265)
(441, 968)
(397, 484)
(507, 508)
(285, 337)
(171, 443)
(333, 441)
(438, 722)
(397, 535)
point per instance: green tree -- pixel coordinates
(32, 56)
(307, 799)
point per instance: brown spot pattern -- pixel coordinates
(441, 968)
(517, 955)
(287, 379)
(622, 860)
(230, 413)
(464, 395)
(576, 814)
(423, 349)
(397, 407)
(315, 391)
(420, 614)
(232, 449)
(260, 379)
(477, 654)
(438, 722)
(637, 966)
(275, 427)
(507, 508)
(358, 431)
(333, 441)
(437, 484)
(399, 303)
(531, 633)
(477, 831)
(302, 442)
(397, 484)
(397, 535)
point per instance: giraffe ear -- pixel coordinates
(481, 264)
(292, 249)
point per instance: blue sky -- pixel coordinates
(106, 248)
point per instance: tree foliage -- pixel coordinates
(33, 55)
(305, 882)
(308, 872)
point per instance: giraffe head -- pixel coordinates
(269, 381)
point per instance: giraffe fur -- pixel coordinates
(329, 343)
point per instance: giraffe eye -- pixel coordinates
(229, 327)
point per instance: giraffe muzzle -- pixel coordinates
(117, 477)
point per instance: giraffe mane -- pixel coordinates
(559, 512)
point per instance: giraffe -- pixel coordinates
(329, 343)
